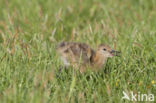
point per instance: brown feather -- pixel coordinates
(76, 54)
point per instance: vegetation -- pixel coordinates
(30, 30)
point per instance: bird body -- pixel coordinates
(81, 55)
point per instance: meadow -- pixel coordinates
(31, 29)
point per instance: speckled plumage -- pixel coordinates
(81, 55)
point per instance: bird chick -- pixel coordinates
(82, 56)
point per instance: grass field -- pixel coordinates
(30, 29)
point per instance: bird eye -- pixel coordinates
(104, 49)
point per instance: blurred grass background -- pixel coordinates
(30, 29)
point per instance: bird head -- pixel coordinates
(106, 51)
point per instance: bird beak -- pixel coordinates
(115, 53)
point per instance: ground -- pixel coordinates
(30, 30)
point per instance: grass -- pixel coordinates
(29, 31)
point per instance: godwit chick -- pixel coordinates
(81, 56)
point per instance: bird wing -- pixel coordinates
(75, 51)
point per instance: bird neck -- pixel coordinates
(98, 60)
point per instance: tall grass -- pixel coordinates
(30, 29)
